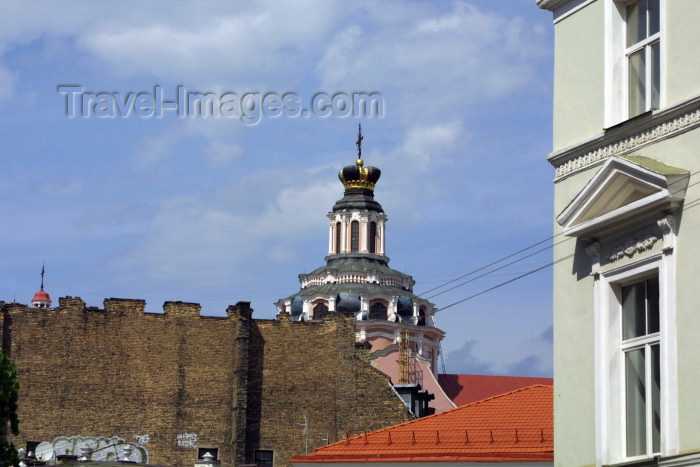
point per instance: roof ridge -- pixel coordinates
(532, 386)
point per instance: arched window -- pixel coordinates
(337, 237)
(354, 236)
(320, 310)
(421, 316)
(372, 237)
(377, 311)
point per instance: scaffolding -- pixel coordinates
(404, 353)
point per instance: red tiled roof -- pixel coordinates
(511, 427)
(465, 389)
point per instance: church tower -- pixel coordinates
(357, 280)
(41, 298)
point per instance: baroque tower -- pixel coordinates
(357, 280)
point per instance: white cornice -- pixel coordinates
(627, 137)
(550, 5)
(563, 8)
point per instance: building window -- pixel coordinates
(263, 458)
(643, 56)
(337, 237)
(354, 236)
(640, 347)
(372, 237)
(636, 360)
(421, 316)
(320, 310)
(633, 56)
(378, 311)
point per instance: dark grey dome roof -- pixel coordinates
(297, 306)
(348, 302)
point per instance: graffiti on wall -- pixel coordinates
(101, 448)
(187, 440)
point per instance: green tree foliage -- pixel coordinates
(9, 423)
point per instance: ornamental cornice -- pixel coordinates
(627, 138)
(632, 246)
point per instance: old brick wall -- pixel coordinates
(314, 369)
(122, 372)
(231, 382)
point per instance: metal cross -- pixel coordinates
(359, 142)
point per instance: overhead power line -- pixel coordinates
(529, 248)
(686, 206)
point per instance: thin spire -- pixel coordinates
(359, 141)
(42, 276)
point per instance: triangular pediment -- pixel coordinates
(624, 188)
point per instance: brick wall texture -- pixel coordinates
(239, 384)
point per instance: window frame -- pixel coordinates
(610, 351)
(338, 237)
(617, 92)
(372, 237)
(264, 451)
(642, 342)
(354, 236)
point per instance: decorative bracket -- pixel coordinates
(668, 229)
(593, 252)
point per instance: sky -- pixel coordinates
(120, 196)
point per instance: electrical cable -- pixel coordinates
(528, 248)
(688, 205)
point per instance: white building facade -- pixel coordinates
(626, 153)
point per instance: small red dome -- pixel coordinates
(41, 296)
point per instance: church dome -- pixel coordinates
(41, 296)
(348, 302)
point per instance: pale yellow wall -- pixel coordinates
(574, 391)
(682, 58)
(578, 76)
(578, 116)
(684, 151)
(573, 315)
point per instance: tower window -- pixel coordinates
(320, 310)
(337, 237)
(354, 236)
(421, 316)
(378, 311)
(372, 237)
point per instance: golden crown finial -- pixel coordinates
(358, 176)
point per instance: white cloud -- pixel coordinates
(7, 84)
(193, 233)
(432, 64)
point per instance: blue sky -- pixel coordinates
(215, 210)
